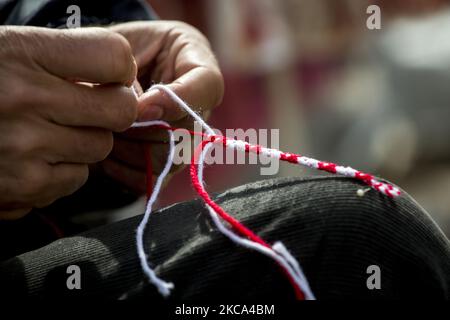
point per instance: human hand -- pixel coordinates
(51, 125)
(178, 55)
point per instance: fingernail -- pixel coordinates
(152, 112)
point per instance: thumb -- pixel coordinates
(201, 88)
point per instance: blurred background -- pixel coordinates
(376, 100)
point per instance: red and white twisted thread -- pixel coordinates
(225, 223)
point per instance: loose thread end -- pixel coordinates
(165, 289)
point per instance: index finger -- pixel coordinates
(93, 55)
(197, 80)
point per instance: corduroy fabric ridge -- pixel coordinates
(333, 233)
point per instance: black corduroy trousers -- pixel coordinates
(334, 234)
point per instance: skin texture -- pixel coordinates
(176, 54)
(51, 125)
(66, 103)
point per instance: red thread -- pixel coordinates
(235, 224)
(366, 178)
(326, 166)
(289, 157)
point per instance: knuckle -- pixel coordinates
(46, 192)
(122, 57)
(17, 93)
(80, 178)
(24, 90)
(184, 27)
(16, 42)
(127, 111)
(34, 180)
(189, 32)
(24, 143)
(102, 146)
(85, 99)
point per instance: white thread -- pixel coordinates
(162, 286)
(346, 171)
(184, 106)
(261, 249)
(134, 91)
(283, 251)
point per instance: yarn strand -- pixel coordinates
(162, 286)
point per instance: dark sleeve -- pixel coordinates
(53, 13)
(6, 8)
